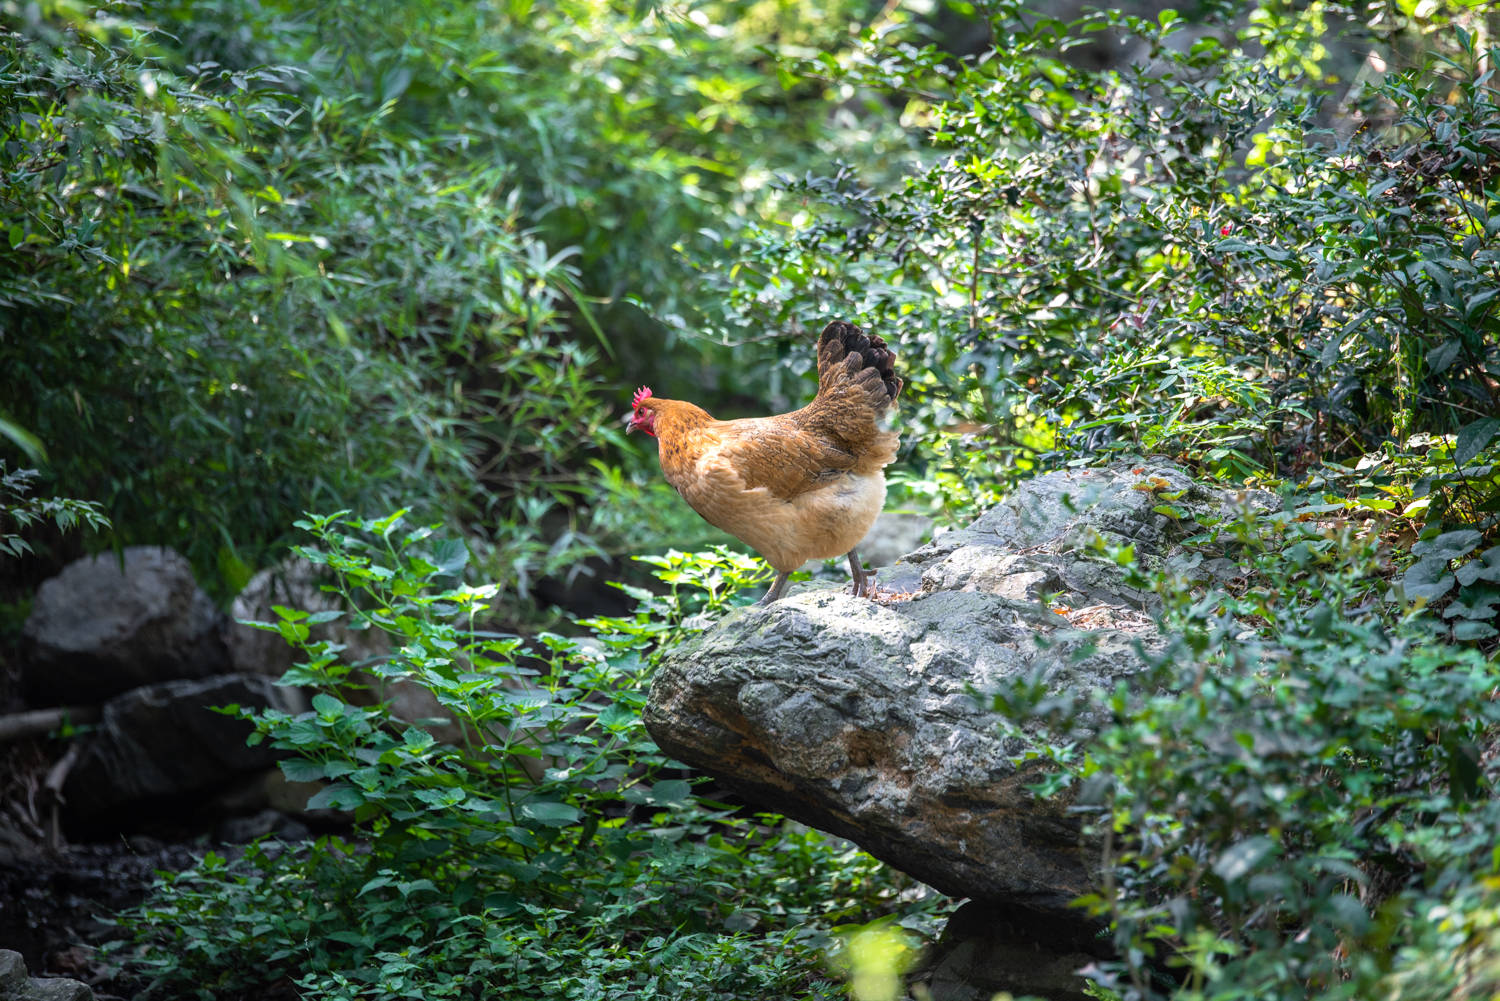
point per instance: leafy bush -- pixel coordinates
(1186, 255)
(1296, 798)
(548, 850)
(258, 260)
(150, 336)
(1179, 255)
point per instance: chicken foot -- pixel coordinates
(864, 582)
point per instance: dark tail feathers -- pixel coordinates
(842, 343)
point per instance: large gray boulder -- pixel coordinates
(867, 718)
(162, 742)
(110, 623)
(858, 718)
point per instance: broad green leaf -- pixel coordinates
(302, 770)
(1241, 858)
(1441, 358)
(339, 796)
(550, 813)
(672, 792)
(1473, 438)
(1469, 631)
(1474, 605)
(1428, 578)
(1485, 566)
(1449, 545)
(327, 706)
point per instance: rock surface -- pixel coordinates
(1039, 542)
(17, 985)
(161, 742)
(104, 626)
(859, 717)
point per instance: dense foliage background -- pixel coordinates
(263, 259)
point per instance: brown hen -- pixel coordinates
(794, 487)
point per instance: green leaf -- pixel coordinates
(417, 739)
(1470, 605)
(1469, 631)
(1449, 545)
(1347, 913)
(501, 905)
(302, 770)
(1239, 859)
(451, 556)
(1441, 358)
(617, 717)
(550, 813)
(1473, 438)
(338, 796)
(327, 706)
(1428, 578)
(672, 792)
(375, 884)
(1485, 566)
(406, 889)
(23, 439)
(1464, 770)
(1472, 305)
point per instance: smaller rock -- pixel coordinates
(162, 742)
(55, 989)
(110, 623)
(985, 951)
(12, 972)
(295, 584)
(16, 985)
(243, 830)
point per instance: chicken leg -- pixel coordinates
(863, 582)
(778, 587)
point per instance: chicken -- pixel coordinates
(794, 487)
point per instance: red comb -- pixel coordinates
(640, 397)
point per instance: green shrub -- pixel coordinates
(550, 850)
(259, 259)
(1179, 255)
(1294, 799)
